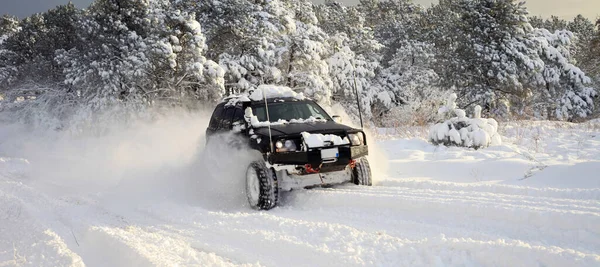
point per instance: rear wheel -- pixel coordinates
(261, 186)
(361, 174)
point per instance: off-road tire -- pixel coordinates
(361, 174)
(267, 183)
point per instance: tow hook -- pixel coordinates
(352, 163)
(309, 169)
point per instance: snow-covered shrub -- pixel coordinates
(458, 130)
(411, 114)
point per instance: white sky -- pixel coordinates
(566, 9)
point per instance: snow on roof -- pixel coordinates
(274, 91)
(270, 92)
(235, 99)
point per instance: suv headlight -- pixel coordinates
(286, 146)
(356, 139)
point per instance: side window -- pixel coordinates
(226, 120)
(260, 113)
(216, 117)
(238, 117)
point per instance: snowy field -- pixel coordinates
(150, 195)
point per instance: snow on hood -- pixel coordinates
(274, 91)
(319, 140)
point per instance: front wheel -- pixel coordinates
(361, 174)
(261, 186)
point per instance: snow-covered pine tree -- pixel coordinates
(353, 56)
(595, 61)
(583, 52)
(28, 49)
(9, 25)
(412, 84)
(304, 63)
(251, 41)
(393, 22)
(178, 67)
(140, 52)
(109, 60)
(566, 91)
(351, 74)
(500, 49)
(551, 24)
(451, 53)
(34, 78)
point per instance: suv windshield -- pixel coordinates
(290, 110)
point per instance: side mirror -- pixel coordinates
(337, 118)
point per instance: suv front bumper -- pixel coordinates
(313, 157)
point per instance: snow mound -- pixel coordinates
(320, 140)
(274, 91)
(461, 131)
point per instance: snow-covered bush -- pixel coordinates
(458, 130)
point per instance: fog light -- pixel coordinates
(278, 144)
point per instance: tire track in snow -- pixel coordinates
(523, 202)
(424, 202)
(30, 234)
(138, 245)
(574, 193)
(79, 231)
(317, 243)
(116, 236)
(544, 225)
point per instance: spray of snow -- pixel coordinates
(377, 156)
(132, 163)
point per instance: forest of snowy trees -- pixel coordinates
(403, 59)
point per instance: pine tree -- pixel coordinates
(567, 91)
(353, 56)
(247, 38)
(304, 62)
(583, 52)
(9, 25)
(410, 79)
(493, 54)
(29, 48)
(140, 51)
(442, 24)
(394, 22)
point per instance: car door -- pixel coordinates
(227, 119)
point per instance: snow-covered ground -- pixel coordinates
(150, 195)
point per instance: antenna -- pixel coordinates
(356, 92)
(268, 119)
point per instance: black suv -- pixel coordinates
(301, 145)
